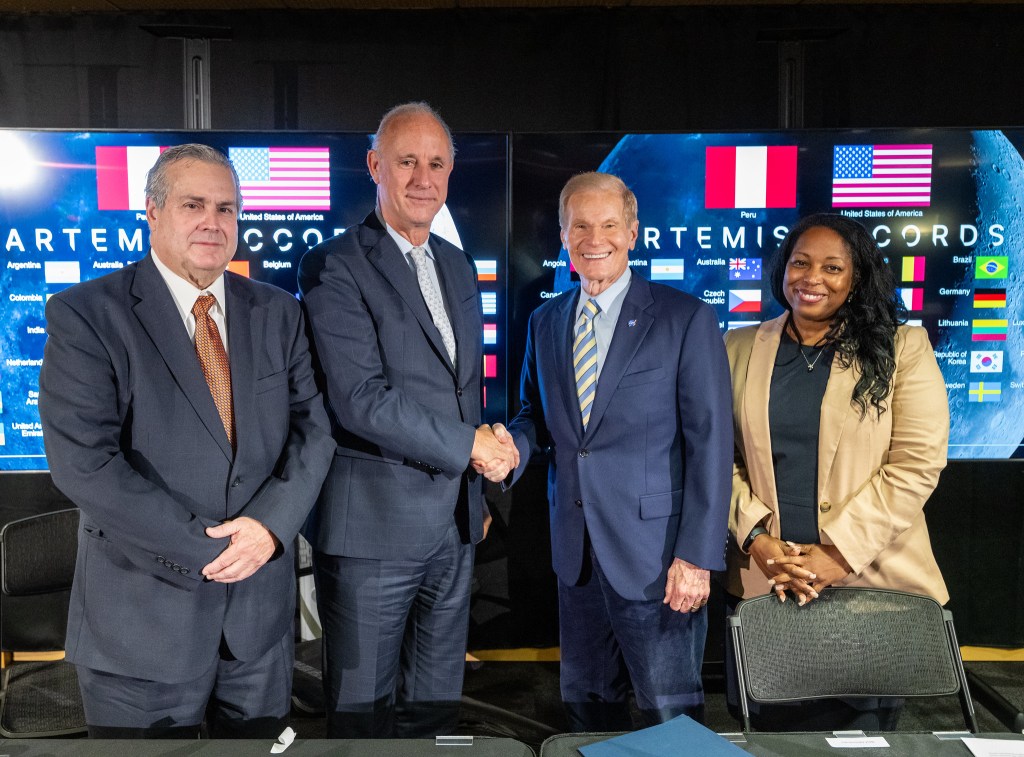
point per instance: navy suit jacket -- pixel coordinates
(134, 439)
(650, 478)
(404, 417)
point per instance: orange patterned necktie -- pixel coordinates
(214, 362)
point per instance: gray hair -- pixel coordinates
(157, 183)
(404, 111)
(597, 182)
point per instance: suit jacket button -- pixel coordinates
(824, 507)
(458, 391)
(184, 571)
(236, 482)
(584, 452)
(579, 503)
(158, 557)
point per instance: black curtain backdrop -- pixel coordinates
(586, 69)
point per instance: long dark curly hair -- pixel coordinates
(863, 330)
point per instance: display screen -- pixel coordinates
(945, 206)
(72, 207)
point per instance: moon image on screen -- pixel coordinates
(992, 429)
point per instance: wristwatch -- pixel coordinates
(754, 533)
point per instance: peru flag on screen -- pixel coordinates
(750, 177)
(121, 176)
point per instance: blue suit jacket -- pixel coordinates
(134, 439)
(650, 478)
(404, 417)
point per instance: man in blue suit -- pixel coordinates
(625, 383)
(396, 320)
(180, 413)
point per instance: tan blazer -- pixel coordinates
(874, 474)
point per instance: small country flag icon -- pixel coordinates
(667, 269)
(991, 266)
(913, 297)
(490, 333)
(990, 298)
(744, 300)
(988, 329)
(985, 391)
(487, 270)
(745, 269)
(913, 268)
(986, 361)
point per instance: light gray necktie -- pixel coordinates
(432, 297)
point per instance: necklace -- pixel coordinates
(810, 363)
(800, 347)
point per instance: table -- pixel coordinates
(482, 746)
(925, 744)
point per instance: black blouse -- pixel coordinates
(794, 414)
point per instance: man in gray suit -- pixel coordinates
(396, 319)
(181, 415)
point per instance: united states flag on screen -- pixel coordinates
(283, 178)
(871, 176)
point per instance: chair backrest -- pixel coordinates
(850, 642)
(37, 565)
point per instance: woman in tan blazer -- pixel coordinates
(841, 425)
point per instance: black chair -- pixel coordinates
(38, 697)
(850, 642)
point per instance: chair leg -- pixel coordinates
(966, 703)
(737, 645)
(996, 703)
(4, 680)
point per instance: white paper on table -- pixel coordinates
(995, 747)
(857, 742)
(283, 741)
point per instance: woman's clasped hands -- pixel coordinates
(803, 569)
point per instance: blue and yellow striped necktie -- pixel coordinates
(584, 359)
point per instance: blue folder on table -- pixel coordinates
(681, 735)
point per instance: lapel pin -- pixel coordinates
(632, 323)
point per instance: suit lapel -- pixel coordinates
(756, 394)
(836, 412)
(160, 319)
(385, 256)
(630, 330)
(558, 336)
(244, 321)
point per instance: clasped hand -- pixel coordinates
(251, 545)
(494, 453)
(804, 569)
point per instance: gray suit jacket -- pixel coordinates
(404, 417)
(134, 439)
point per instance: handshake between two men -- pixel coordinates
(494, 453)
